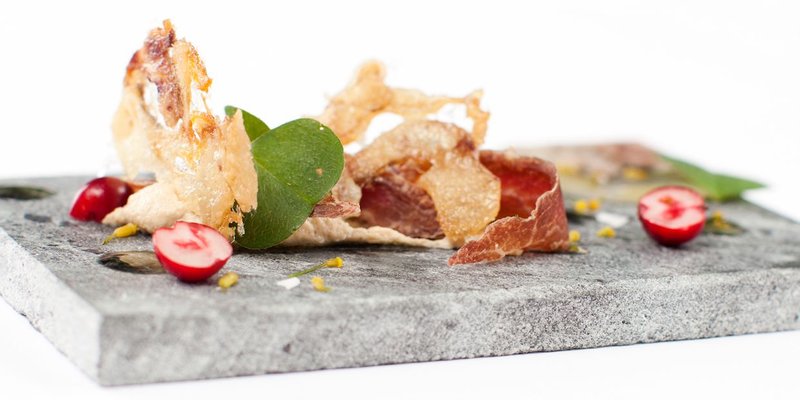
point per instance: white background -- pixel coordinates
(714, 82)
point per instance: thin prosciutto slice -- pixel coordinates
(331, 207)
(393, 200)
(532, 208)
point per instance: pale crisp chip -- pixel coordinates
(350, 112)
(203, 167)
(466, 195)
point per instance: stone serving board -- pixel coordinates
(388, 305)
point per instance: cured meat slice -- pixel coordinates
(522, 181)
(465, 194)
(330, 207)
(393, 200)
(545, 226)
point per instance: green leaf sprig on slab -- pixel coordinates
(717, 187)
(297, 165)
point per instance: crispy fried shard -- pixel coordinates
(543, 227)
(203, 167)
(350, 112)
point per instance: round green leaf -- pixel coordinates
(297, 164)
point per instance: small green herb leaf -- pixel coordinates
(297, 164)
(254, 126)
(714, 186)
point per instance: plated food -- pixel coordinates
(424, 183)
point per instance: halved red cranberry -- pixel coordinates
(99, 197)
(192, 252)
(672, 215)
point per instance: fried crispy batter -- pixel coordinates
(465, 193)
(203, 166)
(350, 112)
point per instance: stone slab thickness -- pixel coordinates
(387, 305)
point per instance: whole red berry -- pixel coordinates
(99, 197)
(192, 252)
(672, 215)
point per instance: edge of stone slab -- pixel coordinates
(70, 323)
(592, 316)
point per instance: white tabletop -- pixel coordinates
(714, 82)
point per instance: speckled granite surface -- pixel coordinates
(388, 305)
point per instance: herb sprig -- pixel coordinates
(714, 186)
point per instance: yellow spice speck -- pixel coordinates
(606, 232)
(594, 204)
(335, 262)
(581, 206)
(229, 279)
(574, 236)
(319, 284)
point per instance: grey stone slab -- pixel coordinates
(388, 305)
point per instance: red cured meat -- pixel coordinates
(330, 207)
(532, 206)
(393, 200)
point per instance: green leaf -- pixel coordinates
(715, 186)
(252, 125)
(297, 164)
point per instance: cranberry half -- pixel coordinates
(672, 215)
(99, 197)
(191, 252)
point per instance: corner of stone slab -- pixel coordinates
(110, 363)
